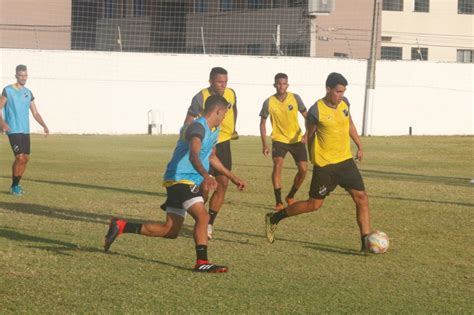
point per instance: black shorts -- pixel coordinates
(297, 150)
(224, 154)
(20, 143)
(181, 197)
(325, 179)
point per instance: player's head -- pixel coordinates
(218, 80)
(281, 83)
(335, 87)
(215, 108)
(21, 74)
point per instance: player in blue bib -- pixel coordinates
(17, 101)
(186, 174)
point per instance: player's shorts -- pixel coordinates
(297, 150)
(20, 143)
(181, 197)
(224, 154)
(325, 179)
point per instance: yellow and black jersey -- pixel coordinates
(332, 141)
(284, 117)
(228, 124)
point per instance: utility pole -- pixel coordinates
(370, 79)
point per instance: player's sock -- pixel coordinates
(277, 192)
(201, 254)
(292, 192)
(278, 216)
(16, 180)
(132, 227)
(212, 216)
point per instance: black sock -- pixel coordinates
(292, 192)
(212, 216)
(132, 228)
(277, 192)
(278, 216)
(201, 252)
(16, 180)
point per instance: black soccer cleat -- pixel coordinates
(210, 268)
(112, 233)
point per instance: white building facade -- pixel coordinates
(433, 30)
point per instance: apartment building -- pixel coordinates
(434, 30)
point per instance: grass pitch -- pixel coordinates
(52, 260)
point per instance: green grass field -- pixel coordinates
(52, 261)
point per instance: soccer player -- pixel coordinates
(217, 86)
(329, 128)
(185, 175)
(16, 101)
(283, 108)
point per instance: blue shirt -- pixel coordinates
(17, 107)
(180, 169)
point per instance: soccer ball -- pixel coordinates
(377, 242)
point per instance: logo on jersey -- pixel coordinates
(194, 189)
(26, 95)
(290, 107)
(323, 190)
(346, 112)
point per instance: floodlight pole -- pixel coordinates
(371, 63)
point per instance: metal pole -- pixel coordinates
(278, 41)
(119, 40)
(202, 39)
(371, 63)
(313, 30)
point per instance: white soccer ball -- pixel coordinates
(377, 242)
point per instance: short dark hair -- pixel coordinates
(214, 101)
(335, 79)
(280, 75)
(20, 68)
(217, 70)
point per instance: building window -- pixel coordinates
(391, 53)
(295, 3)
(341, 55)
(254, 49)
(392, 5)
(422, 5)
(255, 4)
(138, 7)
(226, 5)
(465, 7)
(201, 6)
(418, 53)
(465, 55)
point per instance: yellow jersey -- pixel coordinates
(228, 124)
(284, 117)
(332, 141)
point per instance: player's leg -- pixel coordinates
(351, 180)
(322, 183)
(279, 151)
(276, 181)
(201, 217)
(223, 152)
(20, 144)
(298, 152)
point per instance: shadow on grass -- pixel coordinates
(89, 186)
(65, 248)
(398, 176)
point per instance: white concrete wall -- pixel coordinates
(111, 93)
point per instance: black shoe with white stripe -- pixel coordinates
(205, 266)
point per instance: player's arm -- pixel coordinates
(194, 109)
(195, 143)
(311, 125)
(355, 137)
(3, 124)
(235, 113)
(219, 167)
(38, 118)
(263, 127)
